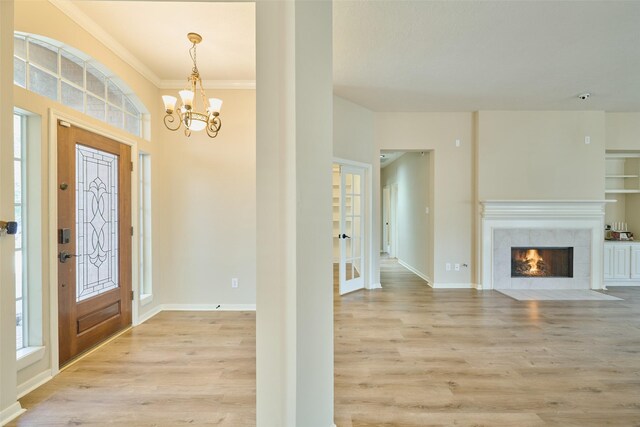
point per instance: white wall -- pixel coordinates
(540, 155)
(208, 208)
(622, 131)
(352, 131)
(411, 173)
(453, 204)
(294, 341)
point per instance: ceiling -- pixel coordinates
(388, 157)
(488, 55)
(155, 33)
(409, 55)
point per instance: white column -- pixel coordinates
(9, 407)
(294, 249)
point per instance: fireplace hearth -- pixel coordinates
(533, 262)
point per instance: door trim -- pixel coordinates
(54, 116)
(370, 257)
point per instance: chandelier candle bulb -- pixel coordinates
(215, 105)
(187, 98)
(188, 114)
(169, 103)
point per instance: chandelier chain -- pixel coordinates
(192, 53)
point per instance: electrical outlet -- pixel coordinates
(448, 266)
(457, 267)
(457, 143)
(587, 140)
(234, 282)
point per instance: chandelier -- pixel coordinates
(188, 114)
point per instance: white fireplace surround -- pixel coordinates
(574, 219)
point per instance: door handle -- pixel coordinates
(11, 227)
(64, 256)
(344, 236)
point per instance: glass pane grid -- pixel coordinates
(19, 214)
(353, 223)
(65, 78)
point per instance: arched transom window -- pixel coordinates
(75, 80)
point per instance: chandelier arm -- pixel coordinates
(169, 119)
(213, 126)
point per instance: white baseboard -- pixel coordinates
(194, 307)
(454, 286)
(208, 307)
(415, 271)
(374, 286)
(33, 383)
(11, 413)
(614, 284)
(149, 314)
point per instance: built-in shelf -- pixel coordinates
(622, 172)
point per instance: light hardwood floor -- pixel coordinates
(405, 356)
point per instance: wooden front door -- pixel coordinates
(94, 239)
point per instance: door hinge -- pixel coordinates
(131, 295)
(132, 230)
(64, 124)
(131, 166)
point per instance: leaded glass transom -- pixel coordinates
(96, 222)
(63, 76)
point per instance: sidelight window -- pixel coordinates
(144, 225)
(20, 208)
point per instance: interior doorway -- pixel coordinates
(407, 197)
(349, 220)
(386, 206)
(389, 220)
(94, 239)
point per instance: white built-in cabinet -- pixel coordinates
(635, 262)
(622, 262)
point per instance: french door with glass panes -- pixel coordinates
(351, 235)
(94, 239)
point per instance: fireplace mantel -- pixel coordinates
(543, 208)
(545, 215)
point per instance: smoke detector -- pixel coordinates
(584, 96)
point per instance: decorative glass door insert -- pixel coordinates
(96, 222)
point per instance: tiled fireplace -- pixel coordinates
(542, 244)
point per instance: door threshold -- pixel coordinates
(94, 348)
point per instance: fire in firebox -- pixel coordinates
(542, 262)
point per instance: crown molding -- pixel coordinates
(68, 8)
(210, 84)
